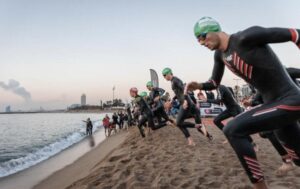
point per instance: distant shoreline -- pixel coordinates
(66, 111)
(35, 112)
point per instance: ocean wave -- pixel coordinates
(15, 165)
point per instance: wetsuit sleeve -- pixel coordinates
(293, 72)
(257, 35)
(217, 73)
(179, 91)
(223, 91)
(191, 98)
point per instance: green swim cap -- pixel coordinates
(206, 25)
(143, 94)
(167, 71)
(149, 84)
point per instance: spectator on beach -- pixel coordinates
(89, 126)
(200, 96)
(121, 120)
(112, 127)
(105, 122)
(125, 118)
(115, 119)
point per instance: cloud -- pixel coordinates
(14, 86)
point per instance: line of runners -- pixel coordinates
(277, 101)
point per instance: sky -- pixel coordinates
(56, 50)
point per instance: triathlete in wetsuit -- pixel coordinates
(248, 55)
(187, 108)
(225, 96)
(232, 108)
(156, 103)
(146, 115)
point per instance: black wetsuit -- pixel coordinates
(232, 107)
(249, 56)
(210, 95)
(257, 100)
(89, 128)
(130, 119)
(146, 115)
(158, 107)
(121, 120)
(115, 119)
(192, 110)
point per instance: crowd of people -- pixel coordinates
(272, 111)
(121, 120)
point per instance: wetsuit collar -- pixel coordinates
(228, 44)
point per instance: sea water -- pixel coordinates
(27, 139)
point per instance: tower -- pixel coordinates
(83, 100)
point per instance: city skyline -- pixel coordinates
(51, 52)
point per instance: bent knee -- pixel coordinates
(232, 129)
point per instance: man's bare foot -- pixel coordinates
(202, 129)
(285, 168)
(260, 185)
(225, 142)
(191, 142)
(171, 123)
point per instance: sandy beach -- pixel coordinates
(163, 160)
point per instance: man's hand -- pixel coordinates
(185, 104)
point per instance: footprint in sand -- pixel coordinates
(175, 182)
(116, 158)
(107, 168)
(184, 171)
(125, 161)
(139, 157)
(133, 147)
(186, 184)
(121, 186)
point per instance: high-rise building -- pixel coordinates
(7, 109)
(83, 100)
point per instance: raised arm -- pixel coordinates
(257, 35)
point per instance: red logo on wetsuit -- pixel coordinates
(239, 67)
